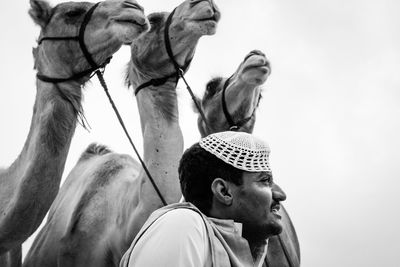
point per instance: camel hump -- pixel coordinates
(86, 211)
(94, 149)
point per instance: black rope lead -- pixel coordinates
(103, 83)
(181, 75)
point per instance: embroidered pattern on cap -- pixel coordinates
(241, 150)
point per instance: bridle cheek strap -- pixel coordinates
(233, 126)
(156, 82)
(179, 70)
(179, 74)
(81, 39)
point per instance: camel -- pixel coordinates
(30, 184)
(241, 94)
(107, 197)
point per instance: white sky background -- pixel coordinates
(331, 111)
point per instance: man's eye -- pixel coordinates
(267, 180)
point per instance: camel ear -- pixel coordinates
(40, 12)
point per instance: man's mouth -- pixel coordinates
(275, 208)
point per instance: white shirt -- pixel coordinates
(177, 239)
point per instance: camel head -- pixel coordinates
(190, 20)
(112, 24)
(242, 96)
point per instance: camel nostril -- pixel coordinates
(217, 15)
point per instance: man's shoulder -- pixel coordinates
(177, 236)
(183, 218)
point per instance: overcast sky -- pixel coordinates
(330, 112)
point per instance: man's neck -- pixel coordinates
(257, 249)
(257, 246)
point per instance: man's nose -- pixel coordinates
(277, 193)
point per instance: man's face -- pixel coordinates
(256, 205)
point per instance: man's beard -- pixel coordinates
(259, 233)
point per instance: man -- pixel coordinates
(232, 208)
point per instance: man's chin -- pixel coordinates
(275, 228)
(263, 232)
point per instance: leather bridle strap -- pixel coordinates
(156, 82)
(233, 126)
(168, 46)
(180, 71)
(163, 80)
(81, 39)
(224, 106)
(81, 36)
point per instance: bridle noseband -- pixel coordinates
(79, 38)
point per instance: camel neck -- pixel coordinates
(158, 103)
(163, 147)
(54, 116)
(52, 126)
(41, 163)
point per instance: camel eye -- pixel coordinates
(75, 13)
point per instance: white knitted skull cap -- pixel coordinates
(241, 150)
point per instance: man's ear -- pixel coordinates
(222, 191)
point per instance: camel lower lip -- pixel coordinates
(262, 68)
